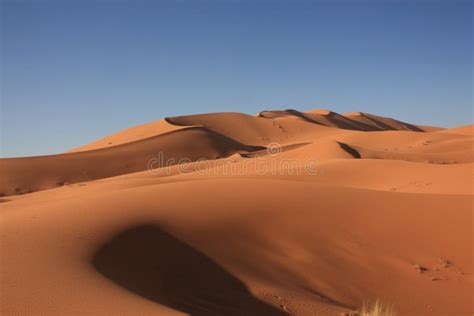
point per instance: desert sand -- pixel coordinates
(278, 213)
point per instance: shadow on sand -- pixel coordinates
(150, 262)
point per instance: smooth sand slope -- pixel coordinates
(290, 213)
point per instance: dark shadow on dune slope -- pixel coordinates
(354, 153)
(386, 127)
(150, 262)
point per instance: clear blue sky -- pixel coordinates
(76, 70)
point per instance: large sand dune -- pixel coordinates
(281, 213)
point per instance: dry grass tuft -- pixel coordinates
(377, 309)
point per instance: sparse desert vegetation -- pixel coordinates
(377, 308)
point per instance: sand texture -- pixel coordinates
(278, 213)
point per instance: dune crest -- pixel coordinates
(253, 129)
(467, 130)
(24, 175)
(130, 135)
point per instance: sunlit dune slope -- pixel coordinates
(463, 130)
(130, 135)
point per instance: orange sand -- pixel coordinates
(339, 210)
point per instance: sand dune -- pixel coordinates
(353, 121)
(463, 130)
(291, 213)
(385, 123)
(23, 175)
(284, 126)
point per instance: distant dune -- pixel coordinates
(281, 213)
(463, 130)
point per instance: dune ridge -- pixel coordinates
(24, 175)
(130, 135)
(253, 128)
(224, 134)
